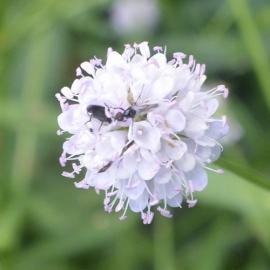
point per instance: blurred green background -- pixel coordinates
(45, 222)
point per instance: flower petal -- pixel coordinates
(175, 120)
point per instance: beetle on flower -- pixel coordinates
(158, 157)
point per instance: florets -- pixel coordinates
(150, 134)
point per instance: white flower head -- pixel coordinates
(142, 128)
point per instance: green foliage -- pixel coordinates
(45, 223)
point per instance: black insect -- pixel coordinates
(133, 111)
(125, 114)
(98, 112)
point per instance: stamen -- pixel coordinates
(110, 194)
(216, 142)
(202, 71)
(125, 210)
(217, 91)
(148, 189)
(106, 200)
(59, 132)
(108, 208)
(197, 71)
(164, 212)
(157, 49)
(76, 168)
(119, 206)
(218, 171)
(63, 159)
(191, 203)
(191, 188)
(190, 61)
(179, 57)
(153, 202)
(83, 184)
(69, 175)
(132, 186)
(147, 217)
(150, 217)
(171, 62)
(224, 120)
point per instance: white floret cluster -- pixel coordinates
(150, 133)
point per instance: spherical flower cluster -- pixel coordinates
(142, 128)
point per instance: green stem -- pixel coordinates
(164, 254)
(254, 44)
(245, 173)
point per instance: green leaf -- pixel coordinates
(245, 173)
(231, 192)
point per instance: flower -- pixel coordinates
(129, 17)
(142, 128)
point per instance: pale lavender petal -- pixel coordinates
(175, 120)
(163, 176)
(88, 67)
(198, 177)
